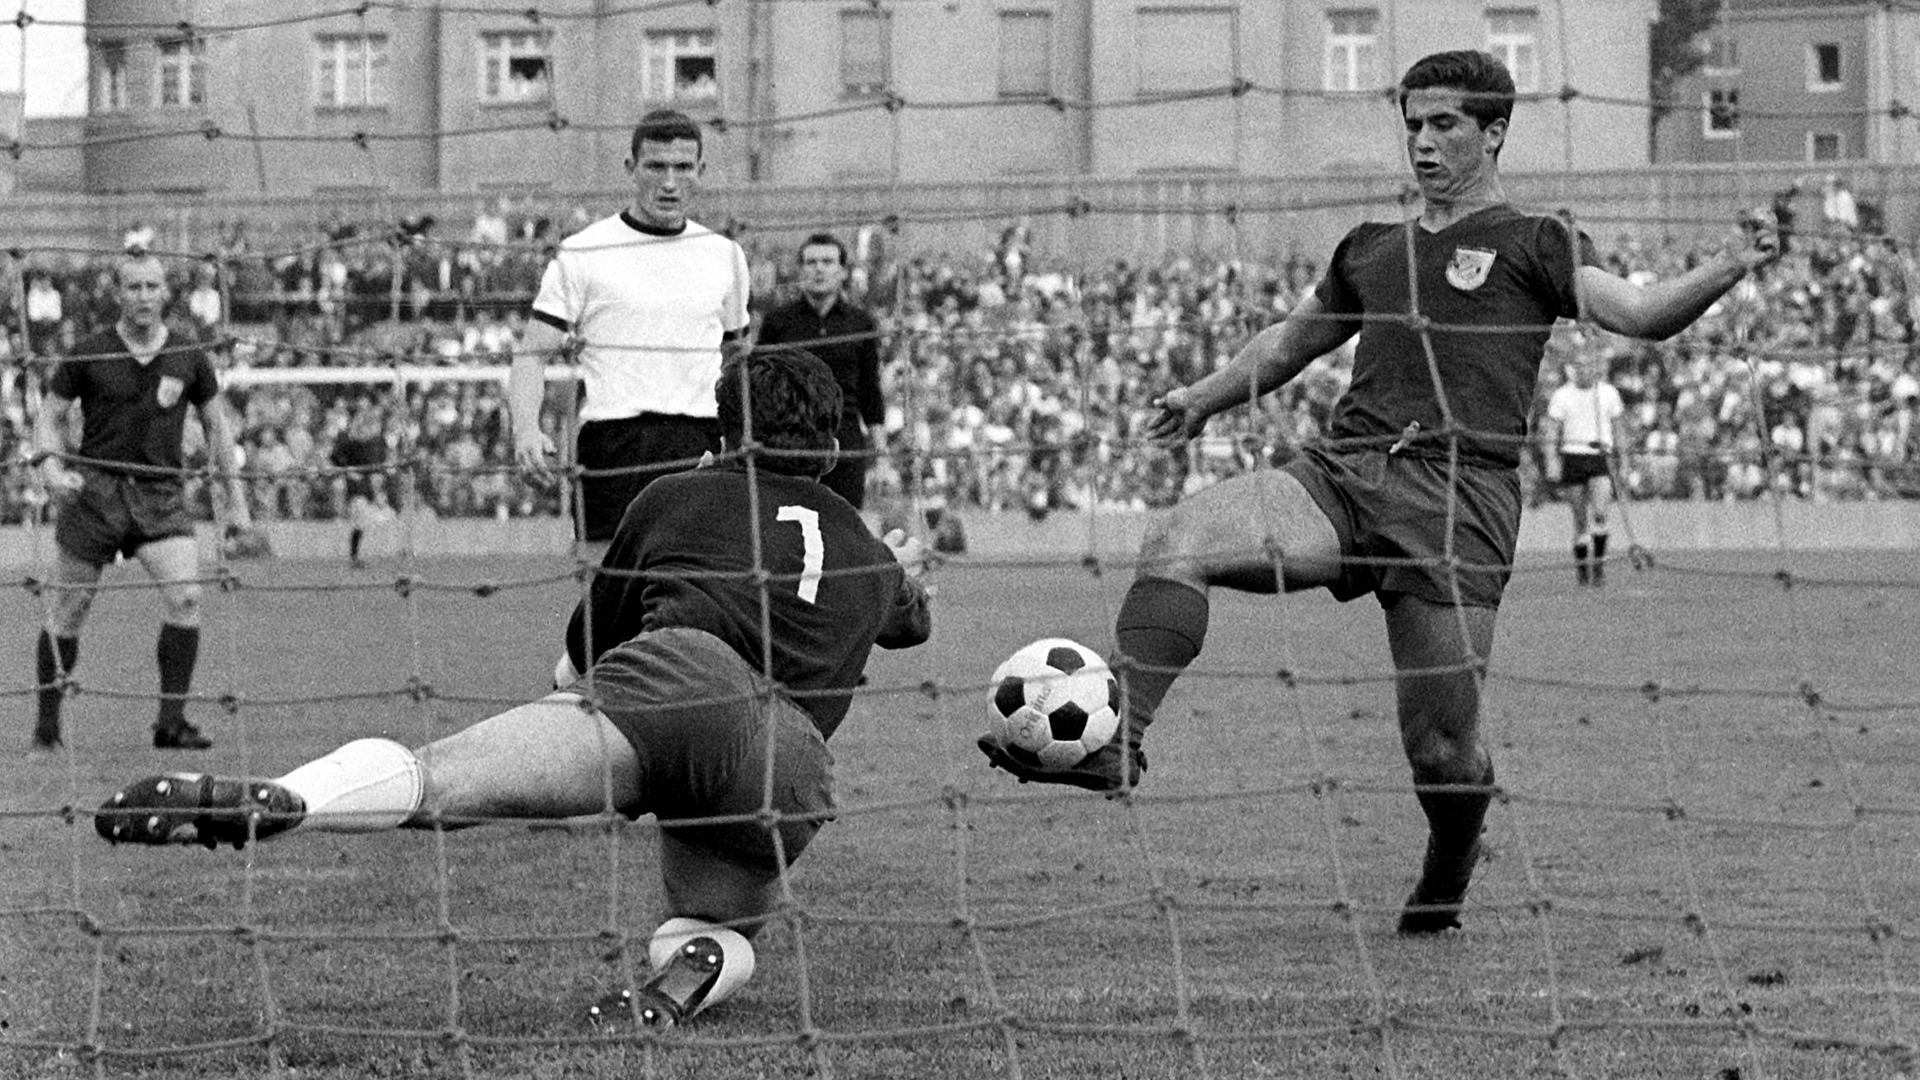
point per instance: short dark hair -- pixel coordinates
(795, 403)
(825, 239)
(1484, 81)
(665, 125)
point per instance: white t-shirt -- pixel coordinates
(649, 312)
(1586, 417)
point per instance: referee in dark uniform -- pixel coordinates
(825, 323)
(124, 492)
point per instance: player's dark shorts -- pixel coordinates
(1578, 468)
(117, 514)
(699, 718)
(1390, 511)
(641, 448)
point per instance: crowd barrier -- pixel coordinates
(1115, 534)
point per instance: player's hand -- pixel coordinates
(533, 452)
(59, 479)
(908, 551)
(1175, 423)
(1759, 242)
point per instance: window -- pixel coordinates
(1722, 56)
(351, 71)
(182, 73)
(1823, 67)
(1826, 146)
(679, 65)
(1184, 49)
(1513, 35)
(1720, 117)
(515, 67)
(110, 77)
(866, 67)
(1026, 54)
(1353, 50)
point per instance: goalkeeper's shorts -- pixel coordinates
(698, 718)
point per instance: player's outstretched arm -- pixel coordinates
(1664, 308)
(1272, 358)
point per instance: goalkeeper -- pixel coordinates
(124, 492)
(675, 718)
(1427, 438)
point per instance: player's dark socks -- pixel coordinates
(177, 651)
(672, 995)
(1161, 628)
(182, 808)
(354, 539)
(1581, 568)
(1599, 558)
(1454, 822)
(53, 657)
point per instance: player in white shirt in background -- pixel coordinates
(1584, 429)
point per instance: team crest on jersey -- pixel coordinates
(171, 387)
(1469, 268)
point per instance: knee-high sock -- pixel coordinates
(53, 657)
(1161, 627)
(177, 651)
(736, 955)
(365, 786)
(1455, 818)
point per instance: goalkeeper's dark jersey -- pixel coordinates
(685, 555)
(1491, 286)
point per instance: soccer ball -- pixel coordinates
(1053, 703)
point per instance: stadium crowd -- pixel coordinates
(1014, 381)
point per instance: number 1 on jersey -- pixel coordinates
(813, 550)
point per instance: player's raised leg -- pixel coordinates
(58, 648)
(548, 759)
(1233, 534)
(1439, 653)
(174, 563)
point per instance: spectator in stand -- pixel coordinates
(824, 322)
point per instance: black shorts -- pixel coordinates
(638, 450)
(113, 514)
(1578, 468)
(848, 478)
(700, 717)
(1390, 512)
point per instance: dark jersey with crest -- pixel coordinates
(132, 414)
(685, 555)
(1489, 287)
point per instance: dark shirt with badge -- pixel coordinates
(134, 415)
(1489, 288)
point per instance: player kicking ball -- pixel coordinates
(683, 703)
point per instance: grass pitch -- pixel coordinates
(1704, 866)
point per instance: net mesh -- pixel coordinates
(1702, 848)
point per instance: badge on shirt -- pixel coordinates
(1468, 270)
(171, 387)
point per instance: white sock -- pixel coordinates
(736, 955)
(365, 786)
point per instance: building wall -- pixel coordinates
(1779, 110)
(782, 115)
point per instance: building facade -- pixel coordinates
(243, 97)
(1814, 81)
